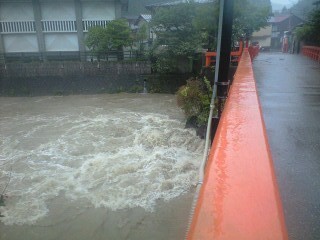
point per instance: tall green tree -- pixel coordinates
(96, 41)
(141, 36)
(303, 8)
(118, 34)
(185, 28)
(174, 29)
(114, 37)
(250, 16)
(309, 33)
(181, 30)
(206, 24)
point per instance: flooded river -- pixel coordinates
(92, 167)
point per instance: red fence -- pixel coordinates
(235, 55)
(253, 51)
(234, 58)
(239, 198)
(312, 52)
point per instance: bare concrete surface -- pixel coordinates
(289, 90)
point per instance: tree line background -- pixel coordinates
(181, 30)
(184, 29)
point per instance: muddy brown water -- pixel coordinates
(104, 166)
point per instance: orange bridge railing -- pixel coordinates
(239, 198)
(235, 56)
(253, 51)
(312, 52)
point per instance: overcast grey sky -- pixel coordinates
(279, 4)
(285, 2)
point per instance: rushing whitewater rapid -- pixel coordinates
(110, 152)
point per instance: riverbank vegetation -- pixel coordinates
(184, 29)
(309, 32)
(114, 37)
(187, 28)
(194, 98)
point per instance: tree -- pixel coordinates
(250, 16)
(185, 28)
(285, 10)
(115, 36)
(174, 29)
(118, 34)
(140, 36)
(303, 8)
(309, 33)
(206, 24)
(96, 41)
(181, 29)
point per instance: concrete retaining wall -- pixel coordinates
(62, 78)
(72, 77)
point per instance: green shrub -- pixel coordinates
(194, 98)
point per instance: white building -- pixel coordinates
(263, 37)
(47, 27)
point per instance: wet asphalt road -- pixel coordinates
(289, 90)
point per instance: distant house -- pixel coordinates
(263, 37)
(47, 28)
(144, 21)
(280, 25)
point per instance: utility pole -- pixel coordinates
(223, 51)
(221, 81)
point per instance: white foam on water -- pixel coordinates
(117, 160)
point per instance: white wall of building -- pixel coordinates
(20, 43)
(16, 11)
(263, 36)
(98, 10)
(54, 11)
(61, 42)
(58, 23)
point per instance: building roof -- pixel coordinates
(281, 18)
(278, 19)
(145, 17)
(172, 3)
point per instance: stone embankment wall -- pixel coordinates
(63, 78)
(59, 78)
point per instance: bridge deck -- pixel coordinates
(289, 91)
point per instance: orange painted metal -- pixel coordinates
(239, 198)
(236, 54)
(312, 52)
(253, 51)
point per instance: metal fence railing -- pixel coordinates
(133, 55)
(17, 27)
(58, 26)
(94, 23)
(49, 26)
(312, 52)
